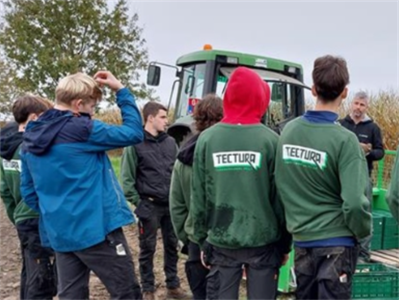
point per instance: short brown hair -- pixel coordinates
(330, 77)
(208, 111)
(26, 105)
(151, 109)
(77, 86)
(48, 103)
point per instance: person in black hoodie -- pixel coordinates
(146, 170)
(366, 130)
(370, 139)
(37, 273)
(206, 113)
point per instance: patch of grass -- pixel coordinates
(116, 165)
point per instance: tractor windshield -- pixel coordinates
(200, 79)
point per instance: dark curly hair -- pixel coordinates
(208, 111)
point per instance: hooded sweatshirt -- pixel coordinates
(180, 192)
(10, 168)
(64, 164)
(234, 200)
(321, 175)
(367, 132)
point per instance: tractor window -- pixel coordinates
(191, 89)
(282, 102)
(221, 85)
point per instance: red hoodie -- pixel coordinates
(246, 99)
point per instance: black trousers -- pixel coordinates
(325, 273)
(196, 272)
(38, 280)
(110, 260)
(262, 266)
(158, 217)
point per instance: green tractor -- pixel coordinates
(208, 71)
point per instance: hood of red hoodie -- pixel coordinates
(246, 99)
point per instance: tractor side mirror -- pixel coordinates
(153, 75)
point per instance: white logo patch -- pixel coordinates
(12, 165)
(237, 160)
(304, 156)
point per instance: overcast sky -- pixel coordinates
(365, 33)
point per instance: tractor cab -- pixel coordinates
(208, 71)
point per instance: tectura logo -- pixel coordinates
(12, 165)
(304, 156)
(232, 160)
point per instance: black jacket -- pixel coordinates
(367, 132)
(147, 169)
(10, 139)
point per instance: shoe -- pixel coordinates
(178, 293)
(148, 296)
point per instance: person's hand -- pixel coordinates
(203, 260)
(366, 148)
(285, 259)
(107, 78)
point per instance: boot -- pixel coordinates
(148, 296)
(178, 293)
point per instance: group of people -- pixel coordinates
(236, 195)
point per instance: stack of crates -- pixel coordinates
(378, 229)
(375, 281)
(385, 231)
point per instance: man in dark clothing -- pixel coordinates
(37, 274)
(146, 172)
(369, 136)
(366, 130)
(206, 113)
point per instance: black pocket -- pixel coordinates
(144, 210)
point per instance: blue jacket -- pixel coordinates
(68, 178)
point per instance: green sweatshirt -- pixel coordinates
(321, 175)
(234, 203)
(179, 201)
(16, 209)
(393, 190)
(128, 174)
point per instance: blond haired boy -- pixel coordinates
(68, 178)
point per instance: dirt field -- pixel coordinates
(10, 264)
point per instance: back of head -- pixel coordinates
(27, 105)
(330, 77)
(77, 86)
(246, 99)
(208, 112)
